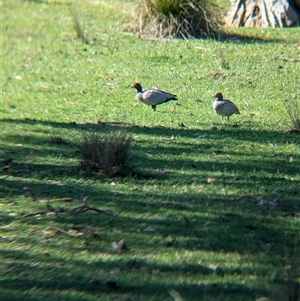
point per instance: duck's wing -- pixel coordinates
(155, 96)
(226, 106)
(169, 95)
(234, 107)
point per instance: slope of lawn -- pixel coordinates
(212, 209)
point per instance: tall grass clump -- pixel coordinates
(107, 153)
(293, 111)
(174, 18)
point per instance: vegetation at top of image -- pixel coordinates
(103, 198)
(179, 18)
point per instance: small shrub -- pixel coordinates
(108, 154)
(174, 18)
(293, 111)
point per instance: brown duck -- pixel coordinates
(224, 107)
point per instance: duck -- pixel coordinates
(152, 96)
(224, 107)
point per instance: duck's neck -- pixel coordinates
(139, 89)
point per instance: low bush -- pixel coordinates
(107, 154)
(175, 18)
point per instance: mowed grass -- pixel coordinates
(213, 211)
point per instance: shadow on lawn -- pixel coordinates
(205, 150)
(162, 169)
(135, 277)
(235, 227)
(261, 136)
(164, 152)
(229, 225)
(250, 37)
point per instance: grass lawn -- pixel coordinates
(213, 212)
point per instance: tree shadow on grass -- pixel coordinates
(235, 233)
(150, 221)
(251, 36)
(137, 277)
(165, 155)
(260, 136)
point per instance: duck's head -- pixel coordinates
(219, 96)
(137, 86)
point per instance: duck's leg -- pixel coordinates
(154, 107)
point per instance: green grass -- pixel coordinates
(216, 216)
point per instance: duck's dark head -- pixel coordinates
(219, 96)
(137, 86)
